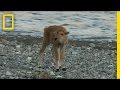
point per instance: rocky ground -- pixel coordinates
(83, 60)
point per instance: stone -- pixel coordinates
(29, 58)
(74, 53)
(11, 77)
(92, 44)
(103, 77)
(31, 67)
(18, 46)
(1, 45)
(52, 73)
(17, 52)
(8, 73)
(29, 72)
(88, 48)
(58, 76)
(4, 63)
(3, 76)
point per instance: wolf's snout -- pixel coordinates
(55, 39)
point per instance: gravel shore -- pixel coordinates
(84, 59)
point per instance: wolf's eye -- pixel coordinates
(62, 34)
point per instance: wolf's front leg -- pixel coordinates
(62, 52)
(56, 55)
(41, 53)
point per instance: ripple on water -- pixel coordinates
(79, 23)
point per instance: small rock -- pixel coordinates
(96, 54)
(29, 72)
(18, 46)
(58, 76)
(52, 73)
(49, 48)
(16, 77)
(17, 52)
(36, 69)
(88, 48)
(74, 53)
(29, 58)
(1, 45)
(11, 77)
(103, 77)
(8, 73)
(4, 62)
(29, 48)
(110, 40)
(3, 41)
(31, 67)
(44, 75)
(92, 44)
(3, 76)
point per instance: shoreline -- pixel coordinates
(28, 39)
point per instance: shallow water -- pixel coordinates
(100, 25)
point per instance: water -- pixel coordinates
(98, 25)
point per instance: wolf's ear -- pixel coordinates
(67, 33)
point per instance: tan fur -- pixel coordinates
(57, 36)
